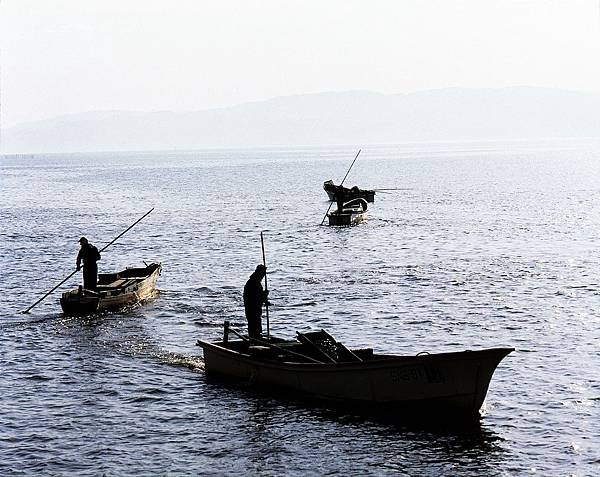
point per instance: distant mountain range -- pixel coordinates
(354, 117)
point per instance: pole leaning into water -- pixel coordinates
(341, 183)
(262, 243)
(102, 250)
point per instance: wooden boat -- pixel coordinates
(353, 212)
(316, 366)
(115, 290)
(349, 193)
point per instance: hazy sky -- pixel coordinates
(65, 56)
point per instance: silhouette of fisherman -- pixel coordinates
(90, 255)
(339, 198)
(254, 298)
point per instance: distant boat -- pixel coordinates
(349, 193)
(353, 212)
(316, 366)
(115, 290)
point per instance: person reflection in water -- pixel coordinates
(254, 298)
(90, 255)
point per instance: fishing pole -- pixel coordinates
(262, 243)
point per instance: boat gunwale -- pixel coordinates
(140, 280)
(384, 361)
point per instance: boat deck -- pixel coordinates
(315, 347)
(119, 283)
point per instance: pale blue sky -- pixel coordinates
(66, 56)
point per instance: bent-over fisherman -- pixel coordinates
(90, 255)
(254, 298)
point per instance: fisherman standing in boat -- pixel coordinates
(254, 298)
(339, 197)
(90, 255)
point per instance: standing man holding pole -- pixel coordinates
(339, 198)
(90, 255)
(254, 298)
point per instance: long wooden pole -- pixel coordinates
(63, 281)
(341, 183)
(126, 230)
(262, 243)
(350, 168)
(104, 248)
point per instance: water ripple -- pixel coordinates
(482, 247)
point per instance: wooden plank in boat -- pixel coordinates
(120, 283)
(115, 284)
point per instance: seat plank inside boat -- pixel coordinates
(120, 283)
(113, 284)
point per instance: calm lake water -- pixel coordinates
(485, 245)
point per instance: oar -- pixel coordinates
(102, 250)
(341, 183)
(262, 243)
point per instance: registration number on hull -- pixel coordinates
(430, 374)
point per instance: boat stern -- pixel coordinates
(79, 302)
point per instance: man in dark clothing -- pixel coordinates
(339, 197)
(90, 255)
(254, 297)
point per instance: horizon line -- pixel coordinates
(272, 98)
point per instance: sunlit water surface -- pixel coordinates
(485, 245)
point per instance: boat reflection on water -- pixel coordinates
(271, 429)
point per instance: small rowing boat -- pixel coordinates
(114, 290)
(349, 193)
(353, 212)
(316, 366)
